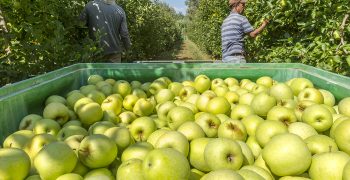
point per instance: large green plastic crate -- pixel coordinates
(20, 99)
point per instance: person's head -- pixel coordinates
(237, 5)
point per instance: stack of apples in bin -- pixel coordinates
(207, 128)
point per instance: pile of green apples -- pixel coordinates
(209, 129)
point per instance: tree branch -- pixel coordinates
(342, 27)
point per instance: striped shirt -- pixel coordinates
(233, 29)
(108, 20)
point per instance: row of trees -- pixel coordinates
(45, 35)
(314, 32)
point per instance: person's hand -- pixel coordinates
(265, 22)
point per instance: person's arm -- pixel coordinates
(124, 33)
(257, 31)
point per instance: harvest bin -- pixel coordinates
(20, 99)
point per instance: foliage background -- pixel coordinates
(44, 35)
(301, 31)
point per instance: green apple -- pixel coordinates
(221, 90)
(101, 173)
(196, 174)
(141, 128)
(318, 144)
(196, 155)
(72, 115)
(87, 89)
(301, 129)
(335, 125)
(156, 86)
(96, 151)
(100, 127)
(250, 86)
(241, 91)
(122, 87)
(344, 106)
(175, 87)
(175, 140)
(54, 160)
(94, 79)
(288, 103)
(222, 174)
(202, 83)
(259, 89)
(318, 117)
(246, 98)
(328, 165)
(110, 116)
(90, 113)
(113, 103)
(287, 155)
(164, 95)
(254, 146)
(18, 139)
(82, 102)
(223, 117)
(222, 153)
(70, 176)
(135, 84)
(139, 93)
(299, 84)
(146, 87)
(249, 174)
(165, 163)
(331, 109)
(217, 82)
(72, 98)
(251, 122)
(204, 99)
(164, 108)
(105, 88)
(248, 157)
(127, 117)
(261, 171)
(241, 111)
(138, 150)
(57, 112)
(209, 123)
(262, 103)
(281, 91)
(129, 102)
(96, 96)
(232, 97)
(346, 171)
(33, 177)
(186, 92)
(68, 131)
(232, 129)
(341, 136)
(328, 97)
(37, 143)
(190, 106)
(191, 130)
(160, 123)
(74, 142)
(231, 81)
(55, 98)
(283, 114)
(192, 98)
(110, 81)
(218, 105)
(28, 121)
(300, 108)
(234, 88)
(130, 170)
(294, 178)
(265, 80)
(153, 138)
(47, 126)
(121, 136)
(179, 115)
(73, 123)
(311, 94)
(143, 107)
(14, 164)
(267, 129)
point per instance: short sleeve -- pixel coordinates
(247, 27)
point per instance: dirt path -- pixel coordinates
(188, 50)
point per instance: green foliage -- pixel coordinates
(306, 31)
(45, 35)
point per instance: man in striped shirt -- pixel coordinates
(107, 19)
(233, 30)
